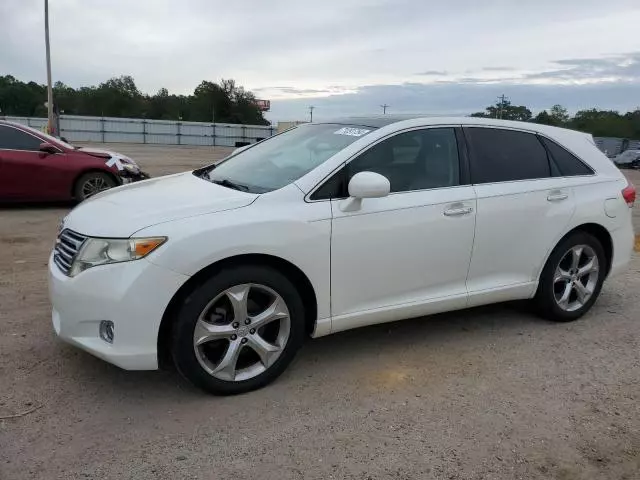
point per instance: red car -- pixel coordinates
(35, 166)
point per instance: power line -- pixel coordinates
(384, 108)
(311, 108)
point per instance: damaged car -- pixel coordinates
(35, 166)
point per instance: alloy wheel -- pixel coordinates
(241, 332)
(576, 277)
(94, 185)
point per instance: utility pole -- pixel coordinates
(311, 108)
(503, 100)
(50, 125)
(384, 108)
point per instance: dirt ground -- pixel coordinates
(488, 393)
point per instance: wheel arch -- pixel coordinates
(595, 229)
(91, 170)
(291, 271)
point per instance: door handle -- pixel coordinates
(557, 197)
(457, 211)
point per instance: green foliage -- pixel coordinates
(603, 123)
(599, 123)
(504, 110)
(120, 97)
(557, 116)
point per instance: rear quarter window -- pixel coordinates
(567, 164)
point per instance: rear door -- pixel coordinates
(521, 211)
(25, 172)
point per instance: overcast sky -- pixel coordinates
(342, 56)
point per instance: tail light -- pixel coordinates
(629, 195)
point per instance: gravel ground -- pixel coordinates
(486, 393)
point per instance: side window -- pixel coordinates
(14, 139)
(566, 163)
(505, 155)
(335, 187)
(415, 160)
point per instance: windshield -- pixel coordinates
(282, 159)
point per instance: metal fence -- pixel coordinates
(138, 130)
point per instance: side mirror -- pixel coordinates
(364, 185)
(369, 185)
(46, 147)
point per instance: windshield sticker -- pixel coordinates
(352, 132)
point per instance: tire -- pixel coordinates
(560, 275)
(206, 338)
(91, 183)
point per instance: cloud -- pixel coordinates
(612, 68)
(497, 69)
(348, 55)
(432, 72)
(460, 99)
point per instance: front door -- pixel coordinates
(406, 254)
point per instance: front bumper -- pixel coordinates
(126, 177)
(133, 295)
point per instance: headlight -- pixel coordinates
(131, 168)
(102, 251)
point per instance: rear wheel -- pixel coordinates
(572, 278)
(239, 330)
(91, 183)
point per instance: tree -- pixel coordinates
(543, 118)
(120, 97)
(504, 110)
(559, 115)
(602, 123)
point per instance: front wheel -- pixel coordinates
(91, 183)
(572, 278)
(238, 331)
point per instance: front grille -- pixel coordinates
(67, 246)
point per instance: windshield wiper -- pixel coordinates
(229, 184)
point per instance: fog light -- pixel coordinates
(106, 330)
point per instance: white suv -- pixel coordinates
(332, 226)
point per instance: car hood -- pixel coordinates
(122, 211)
(98, 152)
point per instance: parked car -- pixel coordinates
(333, 226)
(627, 159)
(35, 166)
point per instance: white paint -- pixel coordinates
(114, 161)
(400, 255)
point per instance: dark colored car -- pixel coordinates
(35, 166)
